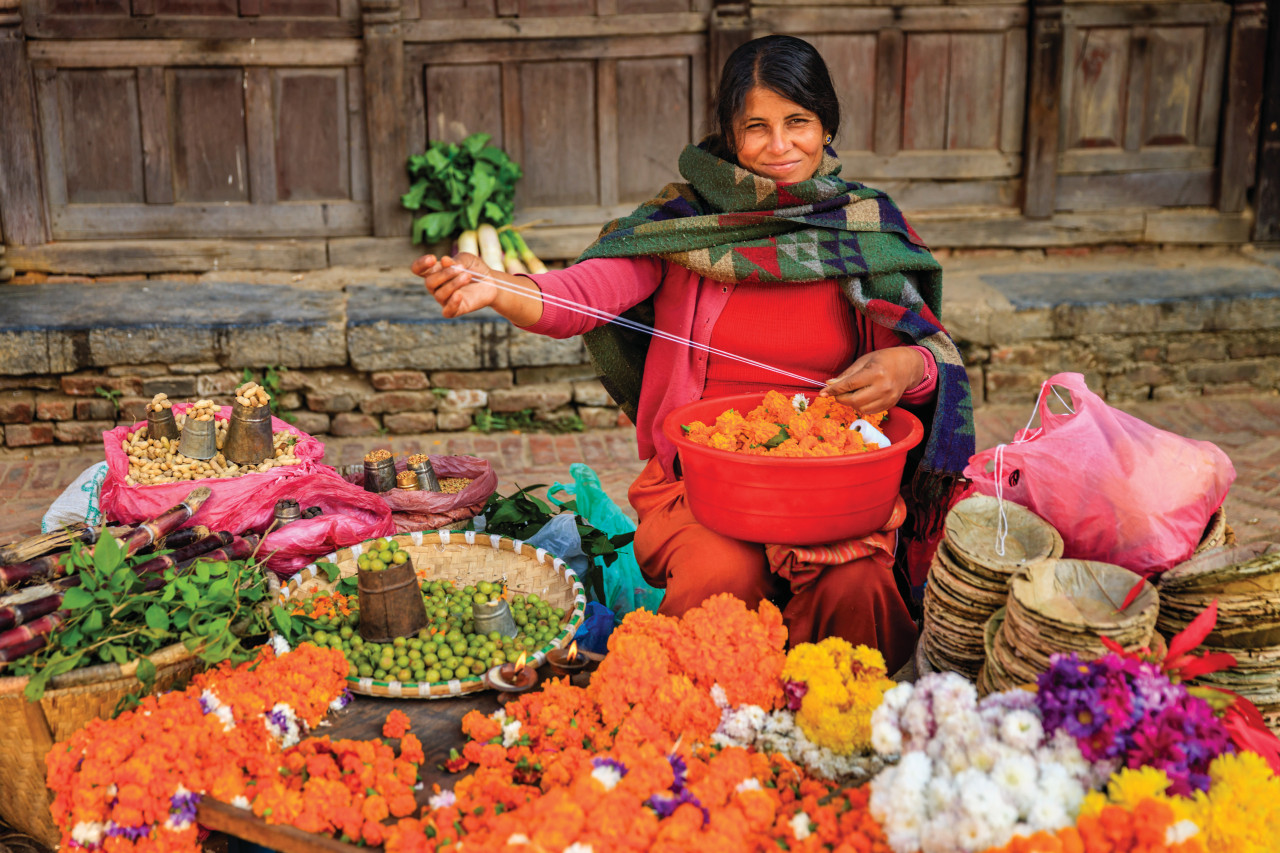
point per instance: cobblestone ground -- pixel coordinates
(1247, 428)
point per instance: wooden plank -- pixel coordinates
(891, 51)
(558, 138)
(699, 95)
(100, 221)
(1044, 96)
(55, 176)
(552, 28)
(80, 26)
(394, 252)
(1099, 75)
(574, 214)
(210, 8)
(512, 112)
(508, 8)
(653, 115)
(300, 8)
(210, 151)
(1175, 82)
(977, 65)
(924, 92)
(87, 7)
(311, 135)
(96, 53)
(157, 145)
(555, 8)
(416, 131)
(1013, 90)
(448, 10)
(802, 19)
(462, 100)
(143, 8)
(955, 165)
(851, 59)
(1137, 92)
(250, 8)
(940, 195)
(22, 213)
(359, 154)
(1013, 231)
(260, 131)
(566, 243)
(1267, 197)
(102, 139)
(384, 115)
(1182, 188)
(647, 7)
(1097, 160)
(242, 823)
(1204, 225)
(1215, 62)
(543, 50)
(1243, 106)
(1152, 14)
(116, 257)
(608, 130)
(410, 10)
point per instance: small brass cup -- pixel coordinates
(162, 424)
(249, 435)
(199, 439)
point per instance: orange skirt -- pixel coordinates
(820, 593)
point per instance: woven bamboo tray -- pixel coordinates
(462, 557)
(29, 729)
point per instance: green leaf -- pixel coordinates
(495, 215)
(92, 625)
(433, 227)
(476, 142)
(283, 620)
(77, 598)
(106, 555)
(782, 436)
(146, 672)
(202, 572)
(331, 570)
(413, 198)
(157, 618)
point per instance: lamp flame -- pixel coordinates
(520, 661)
(573, 652)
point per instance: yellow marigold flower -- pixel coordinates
(845, 685)
(1240, 813)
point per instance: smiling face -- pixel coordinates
(777, 138)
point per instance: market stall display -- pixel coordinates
(444, 562)
(985, 544)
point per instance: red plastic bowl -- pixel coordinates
(787, 500)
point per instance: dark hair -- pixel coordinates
(789, 66)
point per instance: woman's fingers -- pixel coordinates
(877, 380)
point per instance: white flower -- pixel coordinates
(1016, 773)
(227, 716)
(1181, 831)
(280, 645)
(579, 847)
(886, 738)
(1022, 730)
(800, 402)
(88, 833)
(510, 733)
(752, 784)
(1047, 814)
(896, 698)
(800, 820)
(607, 775)
(442, 799)
(241, 802)
(719, 696)
(973, 834)
(518, 838)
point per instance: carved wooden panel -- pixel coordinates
(558, 133)
(210, 151)
(464, 99)
(653, 110)
(311, 136)
(851, 59)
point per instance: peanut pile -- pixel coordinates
(202, 411)
(159, 403)
(251, 395)
(158, 461)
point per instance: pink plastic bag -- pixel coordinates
(247, 503)
(1118, 489)
(418, 510)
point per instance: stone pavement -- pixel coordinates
(1246, 427)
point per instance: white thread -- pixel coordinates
(588, 311)
(1002, 526)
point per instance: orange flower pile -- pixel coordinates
(775, 428)
(618, 765)
(324, 604)
(1144, 829)
(396, 725)
(117, 783)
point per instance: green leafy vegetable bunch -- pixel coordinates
(457, 187)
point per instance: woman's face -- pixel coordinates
(778, 139)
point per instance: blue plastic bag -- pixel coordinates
(593, 635)
(624, 586)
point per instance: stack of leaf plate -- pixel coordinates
(1245, 581)
(969, 577)
(1062, 607)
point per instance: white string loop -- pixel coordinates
(1002, 526)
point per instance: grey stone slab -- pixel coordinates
(406, 305)
(25, 351)
(1154, 285)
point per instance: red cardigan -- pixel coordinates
(687, 306)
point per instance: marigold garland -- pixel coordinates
(1150, 826)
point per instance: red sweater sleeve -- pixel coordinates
(881, 337)
(608, 285)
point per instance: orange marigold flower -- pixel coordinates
(396, 725)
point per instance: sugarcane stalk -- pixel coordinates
(18, 637)
(56, 540)
(240, 548)
(193, 549)
(183, 537)
(24, 648)
(167, 522)
(19, 614)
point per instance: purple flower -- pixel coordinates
(133, 833)
(679, 770)
(278, 719)
(183, 805)
(1182, 740)
(665, 805)
(207, 702)
(603, 761)
(795, 692)
(342, 701)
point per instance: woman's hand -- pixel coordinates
(450, 281)
(877, 380)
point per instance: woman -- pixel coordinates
(768, 254)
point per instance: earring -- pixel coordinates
(828, 142)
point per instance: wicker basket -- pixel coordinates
(463, 557)
(71, 700)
